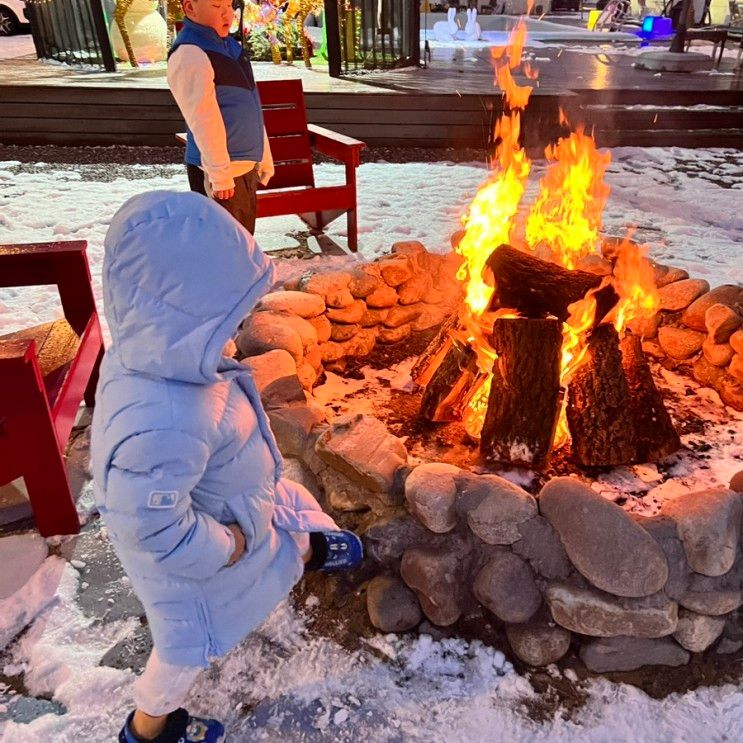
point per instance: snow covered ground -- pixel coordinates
(289, 682)
(16, 46)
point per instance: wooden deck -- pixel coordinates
(453, 103)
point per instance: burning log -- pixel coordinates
(656, 436)
(449, 384)
(525, 395)
(431, 358)
(537, 288)
(600, 410)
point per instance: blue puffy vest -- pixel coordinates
(237, 95)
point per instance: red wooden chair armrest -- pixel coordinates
(338, 146)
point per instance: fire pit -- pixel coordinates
(542, 336)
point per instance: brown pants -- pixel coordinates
(243, 205)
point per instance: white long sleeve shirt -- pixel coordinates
(191, 81)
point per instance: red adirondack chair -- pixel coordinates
(45, 372)
(292, 190)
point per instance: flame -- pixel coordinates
(634, 280)
(566, 218)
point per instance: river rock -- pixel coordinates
(645, 327)
(322, 327)
(400, 315)
(538, 643)
(663, 530)
(505, 586)
(362, 343)
(392, 606)
(721, 322)
(630, 653)
(680, 343)
(727, 294)
(263, 331)
(736, 341)
(680, 294)
(396, 270)
(589, 612)
(436, 578)
(275, 376)
(332, 351)
(706, 374)
(713, 603)
(304, 329)
(735, 370)
(382, 298)
(362, 448)
(696, 632)
(373, 317)
(342, 333)
(542, 548)
(595, 264)
(394, 335)
(602, 541)
(414, 289)
(652, 348)
(431, 315)
(291, 425)
(736, 482)
(363, 284)
(431, 492)
(347, 495)
(731, 391)
(307, 374)
(386, 540)
(708, 525)
(718, 354)
(292, 302)
(670, 275)
(332, 286)
(350, 315)
(408, 248)
(502, 508)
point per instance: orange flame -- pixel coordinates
(566, 218)
(634, 280)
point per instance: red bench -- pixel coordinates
(292, 190)
(45, 373)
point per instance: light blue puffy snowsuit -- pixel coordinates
(181, 444)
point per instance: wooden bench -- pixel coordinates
(45, 373)
(292, 189)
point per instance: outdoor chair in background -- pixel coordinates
(45, 373)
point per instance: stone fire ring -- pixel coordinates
(566, 566)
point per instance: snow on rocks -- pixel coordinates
(630, 653)
(602, 541)
(709, 527)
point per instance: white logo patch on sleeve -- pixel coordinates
(163, 499)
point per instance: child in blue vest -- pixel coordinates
(210, 76)
(186, 469)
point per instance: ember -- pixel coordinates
(519, 389)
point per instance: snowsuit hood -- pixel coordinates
(179, 275)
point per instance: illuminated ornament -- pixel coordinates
(139, 33)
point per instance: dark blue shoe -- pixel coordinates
(180, 728)
(333, 551)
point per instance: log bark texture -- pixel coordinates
(600, 412)
(449, 384)
(431, 358)
(656, 436)
(525, 396)
(538, 288)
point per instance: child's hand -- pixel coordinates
(228, 193)
(239, 543)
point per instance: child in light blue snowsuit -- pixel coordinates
(187, 472)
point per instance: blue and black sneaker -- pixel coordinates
(333, 551)
(179, 728)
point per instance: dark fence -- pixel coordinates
(374, 34)
(71, 31)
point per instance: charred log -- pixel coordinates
(431, 358)
(449, 384)
(525, 395)
(656, 436)
(537, 288)
(599, 409)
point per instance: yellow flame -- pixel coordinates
(566, 217)
(634, 280)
